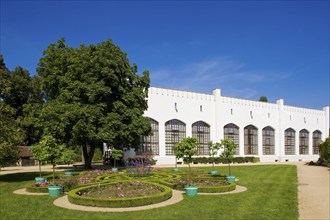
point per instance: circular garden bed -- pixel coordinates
(120, 194)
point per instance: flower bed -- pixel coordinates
(120, 194)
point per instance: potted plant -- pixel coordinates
(213, 151)
(190, 187)
(39, 154)
(186, 149)
(52, 156)
(68, 157)
(228, 155)
(116, 155)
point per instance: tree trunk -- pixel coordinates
(88, 155)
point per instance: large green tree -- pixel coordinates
(22, 93)
(10, 135)
(93, 95)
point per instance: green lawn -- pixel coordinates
(271, 194)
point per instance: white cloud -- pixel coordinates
(219, 72)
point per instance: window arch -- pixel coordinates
(290, 141)
(150, 143)
(175, 131)
(316, 141)
(250, 140)
(268, 141)
(303, 141)
(231, 132)
(201, 131)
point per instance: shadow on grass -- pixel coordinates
(20, 177)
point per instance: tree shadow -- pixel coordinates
(20, 177)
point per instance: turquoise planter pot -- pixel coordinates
(114, 169)
(68, 173)
(191, 190)
(54, 190)
(176, 169)
(214, 172)
(230, 179)
(39, 179)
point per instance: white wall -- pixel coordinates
(217, 111)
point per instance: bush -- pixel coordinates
(217, 189)
(218, 160)
(119, 202)
(324, 149)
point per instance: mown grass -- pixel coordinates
(271, 194)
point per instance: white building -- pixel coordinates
(272, 132)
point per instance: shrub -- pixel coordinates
(217, 189)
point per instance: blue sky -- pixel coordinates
(277, 49)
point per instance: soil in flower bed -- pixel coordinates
(122, 190)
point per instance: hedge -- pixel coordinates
(217, 189)
(217, 160)
(119, 202)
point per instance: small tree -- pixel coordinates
(52, 151)
(213, 149)
(186, 149)
(68, 156)
(229, 151)
(39, 154)
(116, 155)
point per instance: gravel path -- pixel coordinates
(313, 192)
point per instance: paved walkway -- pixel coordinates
(313, 192)
(313, 187)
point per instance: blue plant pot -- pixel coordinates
(39, 179)
(214, 172)
(54, 190)
(191, 190)
(230, 179)
(114, 169)
(68, 173)
(176, 169)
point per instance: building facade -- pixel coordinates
(271, 131)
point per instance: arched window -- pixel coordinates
(290, 141)
(268, 141)
(150, 144)
(201, 131)
(316, 141)
(231, 132)
(175, 131)
(250, 140)
(303, 141)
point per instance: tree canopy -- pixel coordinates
(93, 95)
(263, 99)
